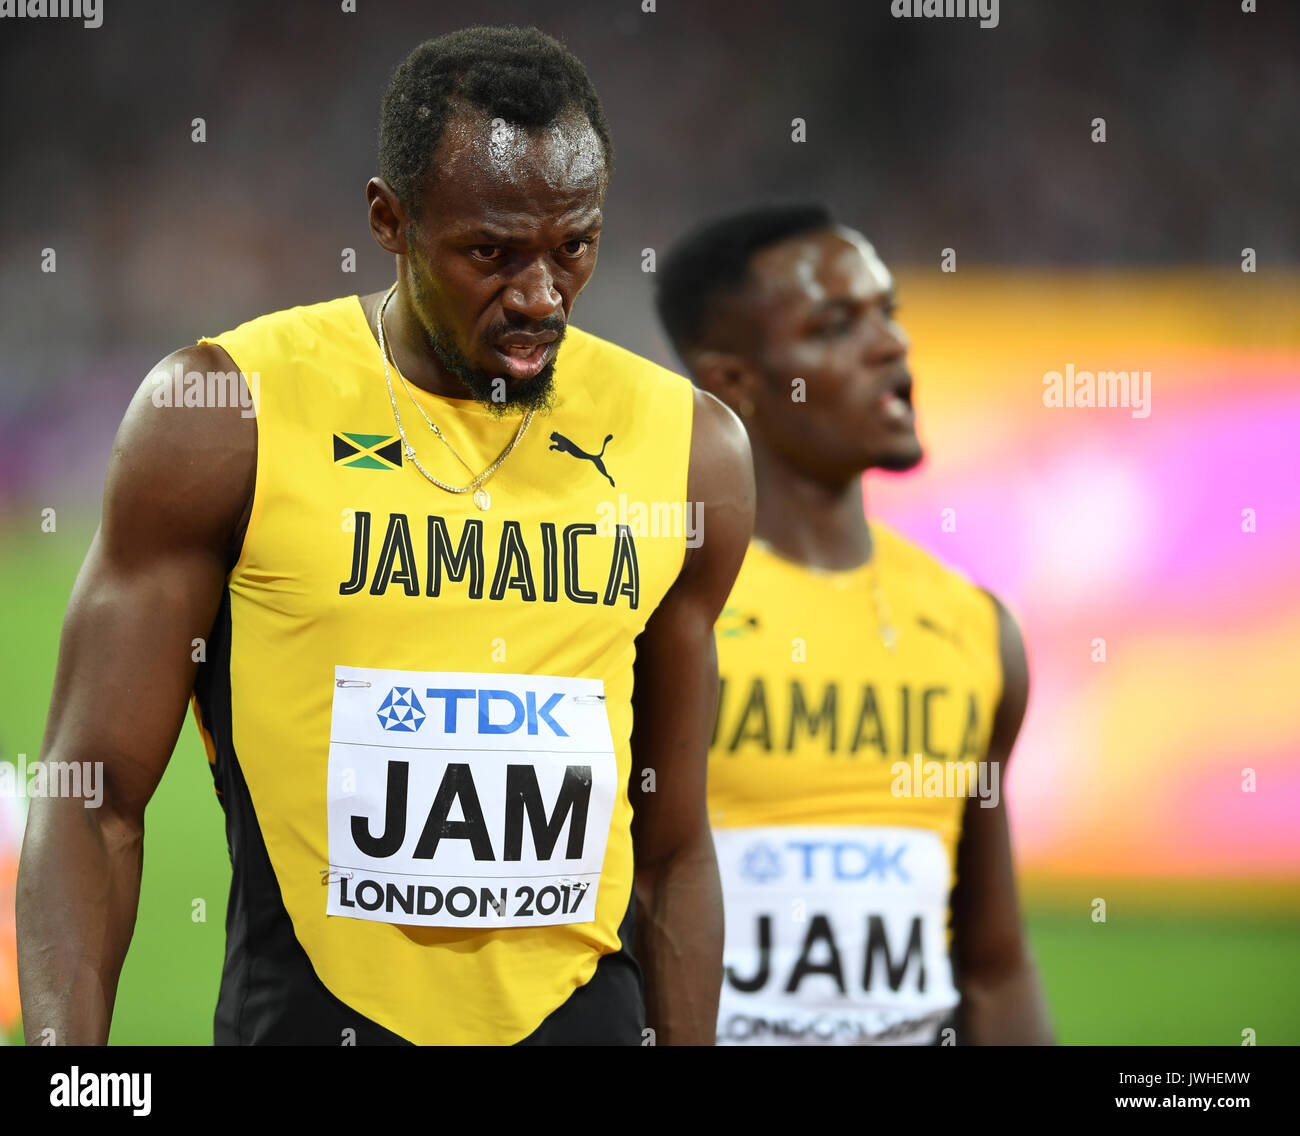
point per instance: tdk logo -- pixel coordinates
(838, 860)
(401, 711)
(496, 711)
(761, 863)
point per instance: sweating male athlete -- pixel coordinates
(434, 686)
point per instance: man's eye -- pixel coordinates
(486, 252)
(834, 326)
(575, 248)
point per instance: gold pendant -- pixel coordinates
(481, 499)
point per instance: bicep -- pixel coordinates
(125, 665)
(987, 932)
(149, 587)
(675, 696)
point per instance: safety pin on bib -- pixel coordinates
(351, 682)
(333, 875)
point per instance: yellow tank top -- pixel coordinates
(832, 793)
(430, 704)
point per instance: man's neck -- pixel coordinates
(820, 524)
(406, 345)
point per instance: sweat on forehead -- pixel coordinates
(806, 264)
(566, 153)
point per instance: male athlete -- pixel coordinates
(432, 685)
(845, 652)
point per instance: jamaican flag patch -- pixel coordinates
(368, 451)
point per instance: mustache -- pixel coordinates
(898, 381)
(498, 331)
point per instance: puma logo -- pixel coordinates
(561, 443)
(930, 625)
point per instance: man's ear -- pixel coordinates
(388, 219)
(728, 377)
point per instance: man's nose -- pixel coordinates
(888, 341)
(532, 293)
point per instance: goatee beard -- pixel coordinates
(499, 394)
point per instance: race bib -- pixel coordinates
(467, 800)
(834, 935)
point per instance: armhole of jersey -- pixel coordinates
(205, 735)
(254, 513)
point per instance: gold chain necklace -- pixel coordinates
(884, 620)
(481, 496)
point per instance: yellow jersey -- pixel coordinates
(418, 712)
(848, 701)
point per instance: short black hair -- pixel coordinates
(712, 262)
(519, 74)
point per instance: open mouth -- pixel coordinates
(896, 403)
(524, 360)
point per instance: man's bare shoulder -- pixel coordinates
(721, 485)
(722, 468)
(184, 461)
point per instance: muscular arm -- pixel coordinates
(1002, 999)
(678, 892)
(175, 502)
